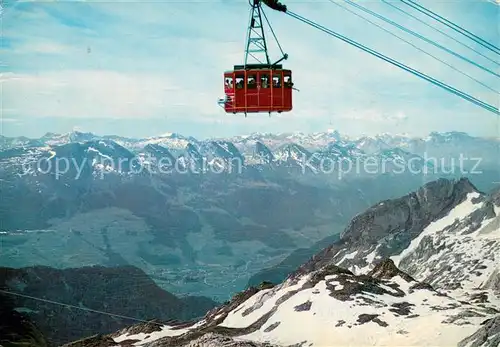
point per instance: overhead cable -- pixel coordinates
(77, 307)
(452, 25)
(451, 89)
(423, 51)
(419, 36)
(439, 31)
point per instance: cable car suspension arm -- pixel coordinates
(398, 64)
(284, 55)
(256, 35)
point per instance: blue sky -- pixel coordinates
(146, 68)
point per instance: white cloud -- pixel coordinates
(44, 47)
(8, 120)
(89, 93)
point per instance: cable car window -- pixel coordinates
(287, 81)
(252, 81)
(228, 82)
(239, 81)
(277, 81)
(264, 80)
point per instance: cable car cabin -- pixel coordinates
(258, 88)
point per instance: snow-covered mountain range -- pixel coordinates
(420, 270)
(313, 141)
(326, 152)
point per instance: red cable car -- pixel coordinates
(258, 88)
(261, 87)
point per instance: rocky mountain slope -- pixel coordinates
(278, 273)
(72, 303)
(487, 336)
(413, 211)
(16, 328)
(419, 270)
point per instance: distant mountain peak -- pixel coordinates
(171, 135)
(50, 134)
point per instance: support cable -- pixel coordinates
(434, 43)
(77, 307)
(439, 31)
(411, 44)
(272, 32)
(452, 25)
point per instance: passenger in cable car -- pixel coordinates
(276, 82)
(263, 82)
(239, 83)
(252, 83)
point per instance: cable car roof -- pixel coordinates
(257, 67)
